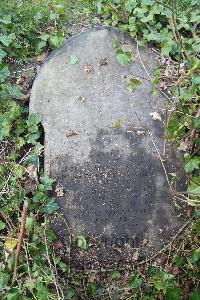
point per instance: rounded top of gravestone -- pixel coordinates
(104, 145)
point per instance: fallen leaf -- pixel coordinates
(82, 99)
(183, 146)
(41, 57)
(144, 242)
(140, 132)
(73, 60)
(136, 255)
(155, 116)
(31, 170)
(133, 84)
(117, 124)
(10, 243)
(59, 190)
(88, 68)
(25, 97)
(71, 133)
(103, 61)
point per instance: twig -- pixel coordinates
(20, 238)
(138, 54)
(70, 237)
(50, 265)
(168, 245)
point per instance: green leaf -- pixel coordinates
(4, 73)
(4, 278)
(56, 40)
(117, 124)
(6, 20)
(6, 40)
(2, 54)
(194, 295)
(135, 281)
(196, 123)
(47, 182)
(73, 60)
(13, 294)
(133, 84)
(116, 42)
(69, 294)
(196, 80)
(197, 226)
(29, 223)
(123, 57)
(50, 207)
(114, 274)
(173, 294)
(82, 242)
(33, 119)
(180, 261)
(32, 138)
(195, 256)
(14, 91)
(192, 164)
(2, 225)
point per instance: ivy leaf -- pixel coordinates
(2, 225)
(14, 91)
(47, 182)
(29, 223)
(133, 84)
(50, 207)
(192, 164)
(135, 281)
(196, 80)
(6, 40)
(173, 294)
(4, 73)
(114, 274)
(73, 59)
(13, 294)
(2, 54)
(56, 40)
(196, 123)
(123, 57)
(33, 119)
(82, 242)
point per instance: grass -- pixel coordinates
(29, 30)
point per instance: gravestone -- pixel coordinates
(106, 153)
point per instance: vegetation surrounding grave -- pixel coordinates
(28, 31)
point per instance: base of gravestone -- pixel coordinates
(111, 164)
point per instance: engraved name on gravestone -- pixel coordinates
(102, 146)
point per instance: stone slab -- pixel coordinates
(115, 187)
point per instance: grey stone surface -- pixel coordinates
(115, 187)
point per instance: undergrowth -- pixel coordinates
(28, 31)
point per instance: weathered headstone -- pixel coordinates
(103, 148)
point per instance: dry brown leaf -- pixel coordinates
(82, 99)
(183, 146)
(41, 57)
(136, 255)
(71, 133)
(103, 61)
(31, 170)
(59, 190)
(144, 242)
(25, 97)
(88, 68)
(155, 116)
